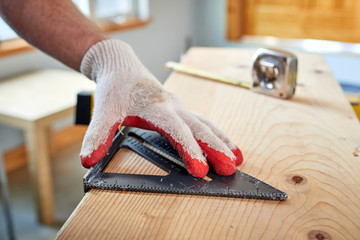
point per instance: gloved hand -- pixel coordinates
(128, 94)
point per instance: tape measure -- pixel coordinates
(274, 73)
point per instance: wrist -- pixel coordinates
(106, 57)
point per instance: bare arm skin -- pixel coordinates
(56, 27)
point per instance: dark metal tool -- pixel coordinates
(156, 149)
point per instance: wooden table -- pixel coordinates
(33, 102)
(308, 146)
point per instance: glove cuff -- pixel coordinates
(108, 56)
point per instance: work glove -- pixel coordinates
(128, 94)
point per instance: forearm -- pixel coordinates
(54, 26)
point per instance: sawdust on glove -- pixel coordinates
(128, 94)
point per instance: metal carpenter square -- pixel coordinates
(178, 180)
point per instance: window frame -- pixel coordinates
(18, 45)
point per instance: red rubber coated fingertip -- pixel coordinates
(222, 164)
(239, 157)
(194, 166)
(94, 157)
(101, 151)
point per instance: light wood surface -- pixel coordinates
(32, 96)
(33, 102)
(307, 146)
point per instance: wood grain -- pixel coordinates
(336, 20)
(304, 146)
(235, 20)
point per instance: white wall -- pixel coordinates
(162, 40)
(210, 23)
(165, 37)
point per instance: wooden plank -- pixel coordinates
(18, 157)
(15, 159)
(113, 27)
(40, 167)
(307, 146)
(14, 46)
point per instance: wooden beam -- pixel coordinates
(17, 157)
(235, 19)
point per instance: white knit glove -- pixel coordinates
(128, 94)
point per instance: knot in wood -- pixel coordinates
(318, 235)
(318, 71)
(297, 179)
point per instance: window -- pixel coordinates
(117, 11)
(6, 33)
(111, 15)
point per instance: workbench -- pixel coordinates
(34, 102)
(307, 146)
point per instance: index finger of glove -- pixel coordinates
(217, 153)
(223, 137)
(169, 125)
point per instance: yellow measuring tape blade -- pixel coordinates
(199, 73)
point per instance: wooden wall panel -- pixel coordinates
(234, 19)
(336, 20)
